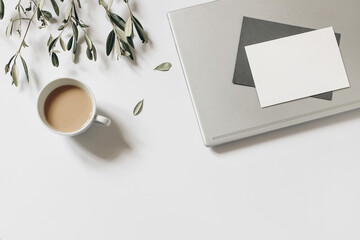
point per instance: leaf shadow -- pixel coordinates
(53, 20)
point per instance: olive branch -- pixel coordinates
(120, 38)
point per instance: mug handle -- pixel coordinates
(102, 120)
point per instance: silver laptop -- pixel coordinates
(207, 38)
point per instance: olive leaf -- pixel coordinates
(50, 40)
(140, 30)
(2, 9)
(94, 53)
(76, 14)
(128, 51)
(9, 28)
(68, 12)
(7, 66)
(75, 46)
(74, 50)
(101, 2)
(15, 74)
(47, 15)
(88, 42)
(29, 8)
(164, 67)
(138, 108)
(117, 20)
(69, 44)
(55, 6)
(129, 27)
(55, 59)
(75, 31)
(62, 44)
(130, 41)
(38, 13)
(25, 68)
(110, 4)
(118, 47)
(52, 44)
(41, 4)
(83, 25)
(24, 44)
(110, 42)
(121, 34)
(89, 54)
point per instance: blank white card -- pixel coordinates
(296, 67)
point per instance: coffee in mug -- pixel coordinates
(68, 107)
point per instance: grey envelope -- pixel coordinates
(257, 31)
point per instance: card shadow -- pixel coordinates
(277, 134)
(106, 143)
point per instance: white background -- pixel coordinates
(150, 177)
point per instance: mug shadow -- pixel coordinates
(106, 143)
(277, 134)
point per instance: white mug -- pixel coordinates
(44, 93)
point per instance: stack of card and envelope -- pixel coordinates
(254, 66)
(287, 63)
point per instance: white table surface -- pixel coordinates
(150, 177)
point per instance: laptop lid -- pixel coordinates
(207, 38)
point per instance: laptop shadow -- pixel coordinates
(277, 134)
